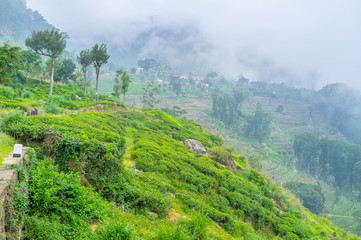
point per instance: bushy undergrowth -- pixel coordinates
(7, 92)
(193, 229)
(60, 199)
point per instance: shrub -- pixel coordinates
(52, 108)
(197, 226)
(43, 228)
(118, 230)
(172, 232)
(62, 196)
(7, 92)
(12, 121)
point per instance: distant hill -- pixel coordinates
(17, 21)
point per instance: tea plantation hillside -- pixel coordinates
(99, 170)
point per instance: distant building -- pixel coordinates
(161, 82)
(139, 70)
(198, 79)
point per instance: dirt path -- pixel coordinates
(129, 145)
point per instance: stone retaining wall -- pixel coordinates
(8, 179)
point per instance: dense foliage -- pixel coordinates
(225, 107)
(339, 161)
(259, 124)
(341, 107)
(9, 62)
(19, 21)
(311, 195)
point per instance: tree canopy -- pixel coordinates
(311, 195)
(9, 62)
(50, 44)
(259, 124)
(47, 43)
(148, 98)
(31, 62)
(330, 158)
(66, 70)
(125, 80)
(148, 64)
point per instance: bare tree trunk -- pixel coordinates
(96, 88)
(84, 70)
(52, 75)
(124, 97)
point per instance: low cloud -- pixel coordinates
(305, 43)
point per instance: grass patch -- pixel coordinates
(6, 146)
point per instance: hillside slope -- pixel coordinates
(276, 158)
(17, 22)
(83, 184)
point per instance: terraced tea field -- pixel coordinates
(276, 159)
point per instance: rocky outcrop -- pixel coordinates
(229, 163)
(137, 171)
(196, 147)
(225, 158)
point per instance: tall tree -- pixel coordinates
(99, 57)
(148, 96)
(85, 59)
(31, 61)
(307, 150)
(66, 70)
(9, 59)
(117, 84)
(125, 84)
(50, 44)
(176, 82)
(259, 124)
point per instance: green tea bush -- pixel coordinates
(61, 198)
(116, 230)
(7, 92)
(88, 149)
(43, 228)
(172, 232)
(28, 95)
(12, 122)
(51, 107)
(193, 229)
(197, 225)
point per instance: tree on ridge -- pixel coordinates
(85, 59)
(50, 44)
(99, 57)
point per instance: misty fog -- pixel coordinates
(304, 43)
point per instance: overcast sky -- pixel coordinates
(303, 42)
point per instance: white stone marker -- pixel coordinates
(18, 150)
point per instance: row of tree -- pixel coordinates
(341, 106)
(259, 125)
(51, 43)
(311, 195)
(226, 107)
(338, 160)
